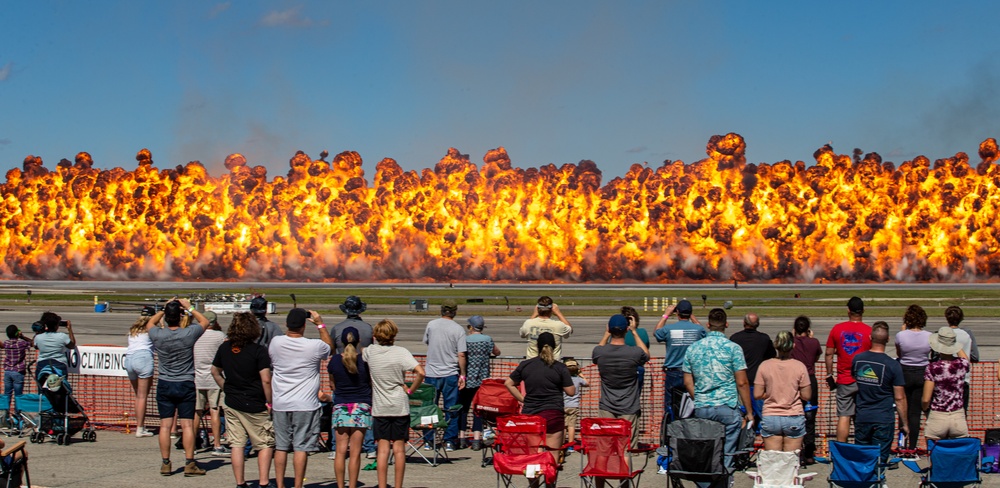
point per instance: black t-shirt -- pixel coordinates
(543, 384)
(243, 387)
(757, 348)
(350, 388)
(877, 375)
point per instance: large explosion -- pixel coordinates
(844, 218)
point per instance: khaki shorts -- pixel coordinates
(946, 425)
(256, 426)
(572, 416)
(845, 399)
(208, 399)
(633, 418)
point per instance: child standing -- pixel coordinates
(571, 404)
(15, 348)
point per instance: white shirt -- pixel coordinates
(295, 363)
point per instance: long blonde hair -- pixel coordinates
(350, 355)
(138, 327)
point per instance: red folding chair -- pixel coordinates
(606, 446)
(492, 401)
(521, 451)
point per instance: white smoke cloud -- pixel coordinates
(6, 70)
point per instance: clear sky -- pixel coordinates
(552, 82)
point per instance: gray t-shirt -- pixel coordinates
(388, 366)
(444, 339)
(175, 351)
(364, 333)
(619, 378)
(268, 330)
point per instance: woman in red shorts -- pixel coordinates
(545, 381)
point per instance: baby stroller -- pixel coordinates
(53, 413)
(492, 401)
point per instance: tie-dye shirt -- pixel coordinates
(948, 377)
(714, 361)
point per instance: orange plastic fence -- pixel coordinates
(109, 401)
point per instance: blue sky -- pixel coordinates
(552, 82)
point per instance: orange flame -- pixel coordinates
(719, 218)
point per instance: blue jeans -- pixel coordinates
(672, 378)
(447, 389)
(13, 382)
(875, 434)
(733, 420)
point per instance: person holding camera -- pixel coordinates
(52, 346)
(175, 390)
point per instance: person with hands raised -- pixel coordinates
(541, 321)
(175, 388)
(295, 382)
(52, 346)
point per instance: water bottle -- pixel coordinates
(902, 442)
(487, 436)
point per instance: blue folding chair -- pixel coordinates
(855, 466)
(954, 464)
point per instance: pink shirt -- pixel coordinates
(782, 379)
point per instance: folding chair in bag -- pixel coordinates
(425, 415)
(954, 463)
(778, 469)
(492, 401)
(855, 466)
(521, 450)
(14, 466)
(696, 448)
(606, 446)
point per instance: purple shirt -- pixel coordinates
(948, 377)
(807, 351)
(913, 346)
(14, 352)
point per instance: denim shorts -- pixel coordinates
(139, 364)
(791, 426)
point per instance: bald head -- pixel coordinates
(751, 321)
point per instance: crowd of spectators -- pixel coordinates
(265, 380)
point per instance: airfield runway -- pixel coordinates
(111, 328)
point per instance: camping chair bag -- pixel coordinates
(697, 446)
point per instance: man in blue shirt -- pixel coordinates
(715, 375)
(677, 337)
(880, 385)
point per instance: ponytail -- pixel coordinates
(547, 355)
(350, 355)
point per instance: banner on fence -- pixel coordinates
(98, 360)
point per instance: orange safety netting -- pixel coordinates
(109, 401)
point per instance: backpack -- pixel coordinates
(991, 452)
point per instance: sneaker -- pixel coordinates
(167, 469)
(449, 446)
(192, 469)
(243, 485)
(569, 449)
(143, 433)
(270, 484)
(221, 451)
(371, 455)
(332, 455)
(179, 444)
(476, 445)
(428, 447)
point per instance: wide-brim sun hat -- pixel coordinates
(945, 341)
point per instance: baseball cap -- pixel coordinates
(258, 305)
(449, 304)
(211, 316)
(684, 307)
(856, 305)
(618, 323)
(477, 322)
(297, 318)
